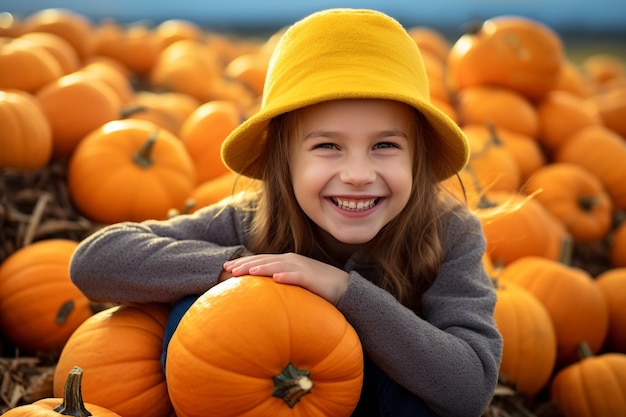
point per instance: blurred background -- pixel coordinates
(571, 18)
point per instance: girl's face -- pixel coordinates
(351, 165)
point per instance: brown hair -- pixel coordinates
(408, 248)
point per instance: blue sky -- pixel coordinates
(577, 15)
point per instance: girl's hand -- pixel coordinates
(289, 268)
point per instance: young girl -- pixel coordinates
(350, 153)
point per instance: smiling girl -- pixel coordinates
(350, 153)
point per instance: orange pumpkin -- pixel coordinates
(25, 134)
(602, 67)
(431, 40)
(612, 282)
(26, 65)
(492, 164)
(507, 51)
(576, 197)
(40, 307)
(168, 110)
(70, 404)
(219, 188)
(602, 152)
(120, 351)
(172, 30)
(529, 352)
(113, 77)
(561, 115)
(74, 27)
(574, 301)
(75, 104)
(517, 226)
(525, 151)
(572, 80)
(595, 386)
(502, 107)
(64, 53)
(135, 46)
(129, 170)
(250, 70)
(186, 66)
(611, 106)
(250, 346)
(203, 132)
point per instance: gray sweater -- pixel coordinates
(449, 356)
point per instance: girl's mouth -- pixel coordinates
(355, 204)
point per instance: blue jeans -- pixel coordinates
(380, 396)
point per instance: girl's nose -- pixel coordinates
(358, 172)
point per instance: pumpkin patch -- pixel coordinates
(104, 122)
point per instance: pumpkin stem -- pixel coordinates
(64, 312)
(143, 157)
(291, 384)
(73, 404)
(567, 250)
(132, 110)
(483, 201)
(584, 351)
(493, 135)
(588, 203)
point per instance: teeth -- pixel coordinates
(355, 205)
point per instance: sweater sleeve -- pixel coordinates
(450, 356)
(157, 261)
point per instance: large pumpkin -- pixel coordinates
(74, 27)
(612, 282)
(529, 353)
(252, 347)
(507, 51)
(575, 196)
(594, 386)
(504, 108)
(517, 226)
(130, 170)
(119, 350)
(203, 132)
(25, 134)
(573, 299)
(75, 104)
(26, 66)
(602, 152)
(40, 307)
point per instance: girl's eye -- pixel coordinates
(325, 146)
(386, 145)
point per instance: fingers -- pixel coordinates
(264, 265)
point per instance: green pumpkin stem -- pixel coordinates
(73, 404)
(291, 384)
(143, 157)
(566, 254)
(584, 351)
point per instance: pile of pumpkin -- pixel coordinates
(136, 115)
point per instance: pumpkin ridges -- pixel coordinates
(575, 196)
(127, 191)
(25, 318)
(529, 353)
(555, 284)
(136, 353)
(233, 380)
(25, 134)
(26, 66)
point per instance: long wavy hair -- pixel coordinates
(408, 249)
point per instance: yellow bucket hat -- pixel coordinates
(344, 54)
